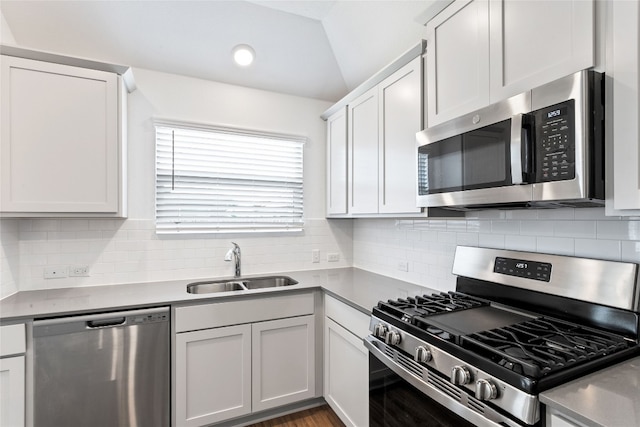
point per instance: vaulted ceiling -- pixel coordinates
(317, 49)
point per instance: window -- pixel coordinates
(218, 180)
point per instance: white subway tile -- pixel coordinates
(504, 227)
(537, 228)
(630, 251)
(598, 248)
(576, 229)
(495, 241)
(520, 243)
(555, 245)
(563, 213)
(617, 230)
(74, 225)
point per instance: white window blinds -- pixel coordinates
(213, 180)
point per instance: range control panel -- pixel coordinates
(523, 268)
(555, 142)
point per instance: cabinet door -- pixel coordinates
(623, 108)
(213, 375)
(60, 139)
(534, 42)
(12, 398)
(457, 60)
(337, 163)
(346, 375)
(283, 362)
(363, 153)
(400, 100)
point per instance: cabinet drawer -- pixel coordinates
(235, 312)
(12, 340)
(348, 317)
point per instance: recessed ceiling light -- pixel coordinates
(243, 55)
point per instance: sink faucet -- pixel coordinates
(234, 253)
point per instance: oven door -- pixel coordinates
(393, 402)
(404, 393)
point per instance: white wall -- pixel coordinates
(6, 36)
(428, 246)
(126, 251)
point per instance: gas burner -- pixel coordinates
(538, 347)
(407, 309)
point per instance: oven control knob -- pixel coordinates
(380, 331)
(393, 338)
(486, 389)
(422, 354)
(460, 375)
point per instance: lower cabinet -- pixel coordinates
(213, 375)
(230, 371)
(346, 363)
(283, 362)
(12, 375)
(12, 400)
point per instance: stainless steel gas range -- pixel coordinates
(518, 324)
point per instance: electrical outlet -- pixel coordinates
(79, 271)
(55, 272)
(333, 257)
(403, 266)
(315, 255)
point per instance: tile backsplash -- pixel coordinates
(425, 248)
(129, 251)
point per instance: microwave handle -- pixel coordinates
(527, 152)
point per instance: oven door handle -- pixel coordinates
(490, 419)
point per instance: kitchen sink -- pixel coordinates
(227, 285)
(268, 282)
(214, 286)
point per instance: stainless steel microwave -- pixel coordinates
(541, 148)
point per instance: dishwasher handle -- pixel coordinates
(96, 322)
(106, 322)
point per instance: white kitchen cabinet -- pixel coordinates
(483, 51)
(346, 363)
(283, 362)
(400, 118)
(242, 356)
(62, 140)
(337, 163)
(12, 375)
(213, 375)
(457, 60)
(623, 108)
(558, 419)
(363, 153)
(380, 155)
(535, 42)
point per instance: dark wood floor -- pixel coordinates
(322, 416)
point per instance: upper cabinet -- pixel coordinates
(371, 146)
(337, 163)
(363, 153)
(457, 60)
(622, 86)
(62, 149)
(482, 51)
(536, 42)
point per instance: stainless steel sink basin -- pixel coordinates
(226, 285)
(214, 286)
(268, 282)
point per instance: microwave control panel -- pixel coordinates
(555, 142)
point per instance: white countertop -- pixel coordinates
(358, 288)
(607, 398)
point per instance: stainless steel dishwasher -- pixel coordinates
(106, 370)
